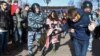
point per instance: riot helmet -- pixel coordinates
(87, 4)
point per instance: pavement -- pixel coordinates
(65, 49)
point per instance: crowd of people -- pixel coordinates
(30, 24)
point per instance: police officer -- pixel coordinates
(88, 7)
(36, 20)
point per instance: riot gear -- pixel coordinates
(87, 4)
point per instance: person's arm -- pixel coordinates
(44, 18)
(15, 22)
(50, 30)
(48, 22)
(58, 27)
(30, 19)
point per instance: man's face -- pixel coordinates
(75, 16)
(27, 8)
(88, 10)
(75, 19)
(4, 5)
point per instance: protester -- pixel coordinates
(17, 26)
(24, 23)
(64, 24)
(53, 23)
(4, 20)
(78, 23)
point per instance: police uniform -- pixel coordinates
(35, 24)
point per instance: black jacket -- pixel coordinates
(4, 20)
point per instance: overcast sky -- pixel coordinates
(54, 2)
(76, 3)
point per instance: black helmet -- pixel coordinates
(35, 5)
(87, 4)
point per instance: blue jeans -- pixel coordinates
(18, 34)
(3, 42)
(65, 29)
(31, 37)
(80, 47)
